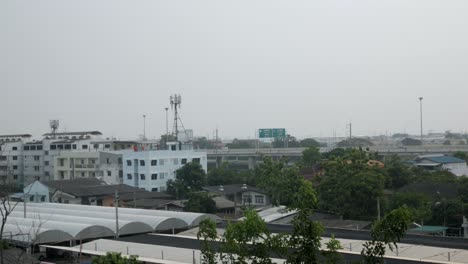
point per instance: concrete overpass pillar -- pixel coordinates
(252, 161)
(219, 161)
(465, 227)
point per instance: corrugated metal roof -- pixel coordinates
(445, 159)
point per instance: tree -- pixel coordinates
(418, 204)
(310, 142)
(286, 142)
(204, 143)
(332, 256)
(246, 241)
(200, 202)
(461, 155)
(411, 142)
(310, 156)
(279, 180)
(354, 142)
(386, 232)
(223, 175)
(190, 178)
(207, 231)
(115, 258)
(242, 144)
(397, 173)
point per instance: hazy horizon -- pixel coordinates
(309, 67)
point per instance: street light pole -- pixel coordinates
(421, 117)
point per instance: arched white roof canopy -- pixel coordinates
(192, 219)
(27, 235)
(156, 223)
(77, 231)
(125, 227)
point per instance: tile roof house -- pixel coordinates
(239, 194)
(441, 162)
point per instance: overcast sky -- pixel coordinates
(308, 66)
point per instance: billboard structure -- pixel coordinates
(272, 133)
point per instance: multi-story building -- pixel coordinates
(24, 160)
(97, 164)
(11, 157)
(152, 169)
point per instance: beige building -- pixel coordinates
(102, 165)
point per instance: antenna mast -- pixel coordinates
(54, 125)
(176, 101)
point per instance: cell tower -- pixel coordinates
(54, 125)
(176, 101)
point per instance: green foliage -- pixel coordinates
(397, 173)
(310, 157)
(304, 198)
(447, 213)
(411, 142)
(386, 232)
(351, 190)
(463, 189)
(242, 144)
(305, 239)
(200, 202)
(115, 258)
(288, 141)
(418, 204)
(332, 256)
(190, 178)
(246, 241)
(279, 180)
(225, 175)
(204, 143)
(207, 231)
(354, 142)
(461, 155)
(310, 143)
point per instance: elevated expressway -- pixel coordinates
(251, 157)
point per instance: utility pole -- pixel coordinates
(144, 127)
(421, 116)
(116, 204)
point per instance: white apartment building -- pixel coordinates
(11, 157)
(24, 160)
(152, 169)
(106, 166)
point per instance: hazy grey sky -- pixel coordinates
(308, 66)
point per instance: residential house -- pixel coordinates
(239, 195)
(441, 162)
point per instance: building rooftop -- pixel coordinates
(16, 135)
(95, 133)
(445, 159)
(231, 189)
(89, 187)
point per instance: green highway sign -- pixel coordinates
(272, 133)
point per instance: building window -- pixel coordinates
(62, 175)
(142, 163)
(120, 160)
(161, 175)
(46, 163)
(196, 160)
(67, 146)
(82, 174)
(14, 148)
(15, 157)
(62, 162)
(108, 161)
(74, 146)
(154, 162)
(46, 174)
(36, 157)
(96, 146)
(129, 176)
(107, 146)
(93, 161)
(161, 162)
(154, 189)
(129, 163)
(259, 199)
(60, 146)
(84, 146)
(142, 177)
(82, 161)
(247, 199)
(31, 198)
(53, 146)
(154, 176)
(43, 198)
(26, 148)
(109, 173)
(15, 167)
(184, 161)
(46, 152)
(15, 177)
(39, 147)
(3, 157)
(36, 168)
